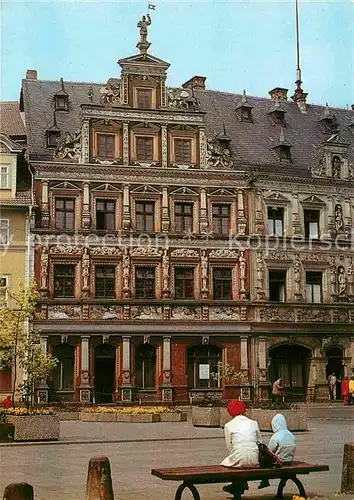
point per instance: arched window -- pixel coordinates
(202, 366)
(145, 361)
(63, 374)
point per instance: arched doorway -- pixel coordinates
(334, 357)
(105, 360)
(145, 362)
(291, 364)
(62, 377)
(202, 366)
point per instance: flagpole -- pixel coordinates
(298, 70)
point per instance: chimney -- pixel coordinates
(196, 83)
(279, 93)
(31, 74)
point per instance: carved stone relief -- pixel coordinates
(146, 312)
(218, 158)
(106, 251)
(65, 249)
(277, 314)
(183, 99)
(105, 312)
(342, 281)
(186, 313)
(69, 146)
(311, 315)
(225, 313)
(145, 252)
(223, 253)
(44, 268)
(184, 252)
(204, 269)
(64, 312)
(338, 218)
(110, 94)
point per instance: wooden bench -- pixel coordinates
(209, 474)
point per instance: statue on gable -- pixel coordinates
(110, 94)
(69, 146)
(181, 99)
(338, 218)
(143, 25)
(217, 157)
(336, 164)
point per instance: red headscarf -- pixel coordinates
(236, 407)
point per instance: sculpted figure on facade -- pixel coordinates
(260, 270)
(319, 170)
(336, 165)
(183, 99)
(143, 25)
(351, 171)
(110, 94)
(243, 269)
(69, 146)
(204, 273)
(217, 157)
(342, 281)
(85, 269)
(338, 218)
(166, 272)
(126, 272)
(44, 267)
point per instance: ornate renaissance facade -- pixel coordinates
(178, 228)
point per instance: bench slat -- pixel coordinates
(218, 473)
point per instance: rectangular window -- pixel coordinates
(221, 219)
(313, 286)
(106, 215)
(184, 282)
(144, 98)
(4, 231)
(275, 221)
(105, 145)
(144, 148)
(3, 291)
(183, 217)
(277, 283)
(4, 177)
(64, 280)
(144, 214)
(64, 213)
(312, 224)
(105, 281)
(145, 282)
(222, 283)
(182, 150)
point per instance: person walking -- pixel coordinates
(332, 384)
(241, 437)
(351, 391)
(277, 391)
(344, 389)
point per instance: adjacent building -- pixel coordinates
(180, 228)
(15, 209)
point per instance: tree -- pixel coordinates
(227, 372)
(20, 344)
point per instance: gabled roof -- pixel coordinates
(11, 122)
(9, 145)
(147, 59)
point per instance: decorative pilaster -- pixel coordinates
(295, 212)
(126, 207)
(85, 389)
(347, 218)
(244, 357)
(86, 216)
(126, 273)
(260, 277)
(45, 204)
(85, 141)
(297, 277)
(165, 275)
(204, 274)
(165, 211)
(202, 147)
(242, 273)
(163, 92)
(164, 155)
(43, 389)
(203, 221)
(330, 218)
(124, 90)
(333, 278)
(350, 272)
(166, 370)
(262, 359)
(126, 143)
(85, 272)
(126, 388)
(44, 272)
(259, 220)
(241, 219)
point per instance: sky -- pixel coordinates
(236, 44)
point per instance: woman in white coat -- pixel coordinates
(241, 436)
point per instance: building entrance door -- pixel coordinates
(105, 360)
(335, 365)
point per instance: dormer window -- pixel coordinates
(61, 99)
(282, 149)
(244, 109)
(52, 138)
(284, 153)
(144, 98)
(276, 113)
(224, 140)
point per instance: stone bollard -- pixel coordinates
(347, 485)
(18, 491)
(99, 480)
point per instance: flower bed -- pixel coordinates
(34, 424)
(132, 414)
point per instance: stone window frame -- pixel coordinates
(116, 131)
(141, 262)
(107, 196)
(277, 265)
(71, 193)
(183, 134)
(315, 205)
(105, 261)
(189, 263)
(284, 203)
(141, 85)
(234, 278)
(185, 198)
(223, 200)
(7, 229)
(152, 132)
(6, 166)
(64, 260)
(155, 198)
(324, 268)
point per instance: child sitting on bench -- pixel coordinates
(282, 443)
